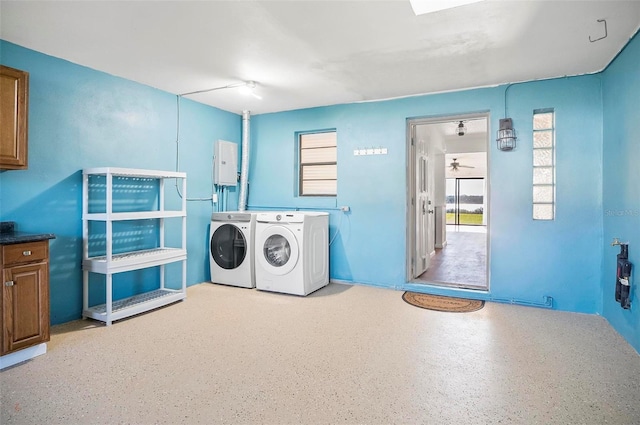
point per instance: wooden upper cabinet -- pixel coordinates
(14, 103)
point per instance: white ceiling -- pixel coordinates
(315, 53)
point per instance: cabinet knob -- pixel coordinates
(26, 253)
(9, 283)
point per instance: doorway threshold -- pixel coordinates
(469, 286)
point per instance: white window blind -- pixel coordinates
(544, 165)
(318, 164)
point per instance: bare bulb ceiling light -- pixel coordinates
(249, 89)
(246, 87)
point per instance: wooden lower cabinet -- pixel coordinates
(25, 295)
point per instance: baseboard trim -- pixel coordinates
(22, 355)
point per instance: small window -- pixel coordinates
(318, 164)
(544, 165)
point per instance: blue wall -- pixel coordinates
(621, 89)
(83, 118)
(80, 118)
(529, 259)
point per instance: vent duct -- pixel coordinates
(244, 169)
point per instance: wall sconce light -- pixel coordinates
(461, 129)
(506, 135)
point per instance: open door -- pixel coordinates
(424, 239)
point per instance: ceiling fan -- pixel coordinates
(455, 165)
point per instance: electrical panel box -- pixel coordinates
(225, 163)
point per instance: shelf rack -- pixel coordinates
(112, 263)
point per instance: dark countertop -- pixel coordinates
(8, 235)
(21, 237)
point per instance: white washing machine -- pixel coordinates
(231, 254)
(292, 251)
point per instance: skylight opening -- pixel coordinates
(420, 7)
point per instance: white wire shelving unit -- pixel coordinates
(110, 263)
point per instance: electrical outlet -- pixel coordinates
(345, 208)
(214, 198)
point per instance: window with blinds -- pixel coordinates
(318, 164)
(544, 165)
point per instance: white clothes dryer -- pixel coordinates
(292, 251)
(231, 254)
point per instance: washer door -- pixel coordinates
(279, 249)
(228, 246)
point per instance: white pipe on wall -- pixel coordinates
(244, 169)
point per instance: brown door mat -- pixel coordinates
(441, 303)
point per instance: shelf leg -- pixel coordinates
(85, 292)
(109, 303)
(184, 277)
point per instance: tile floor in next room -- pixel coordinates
(463, 260)
(345, 354)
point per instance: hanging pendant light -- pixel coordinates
(506, 135)
(461, 129)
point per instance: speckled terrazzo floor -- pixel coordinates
(344, 355)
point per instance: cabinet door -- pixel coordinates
(25, 309)
(14, 95)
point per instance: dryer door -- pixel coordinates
(278, 250)
(228, 246)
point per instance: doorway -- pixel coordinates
(447, 201)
